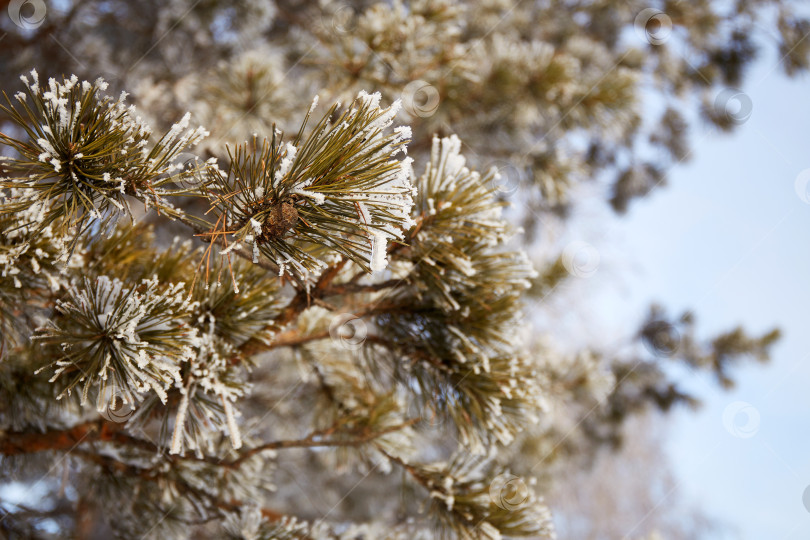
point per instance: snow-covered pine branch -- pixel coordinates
(84, 152)
(338, 190)
(132, 338)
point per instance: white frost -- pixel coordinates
(379, 242)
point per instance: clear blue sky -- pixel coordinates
(730, 239)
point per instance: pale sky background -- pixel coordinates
(729, 238)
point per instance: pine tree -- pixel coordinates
(313, 320)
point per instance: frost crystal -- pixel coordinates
(378, 245)
(289, 157)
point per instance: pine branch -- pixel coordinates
(469, 500)
(314, 441)
(155, 474)
(337, 191)
(16, 443)
(341, 289)
(31, 442)
(294, 339)
(202, 231)
(297, 304)
(84, 153)
(135, 334)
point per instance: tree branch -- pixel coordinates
(17, 443)
(299, 302)
(312, 441)
(350, 287)
(294, 339)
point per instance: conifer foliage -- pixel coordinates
(162, 341)
(315, 321)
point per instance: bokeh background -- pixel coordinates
(726, 239)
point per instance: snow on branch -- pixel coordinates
(338, 190)
(83, 152)
(132, 339)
